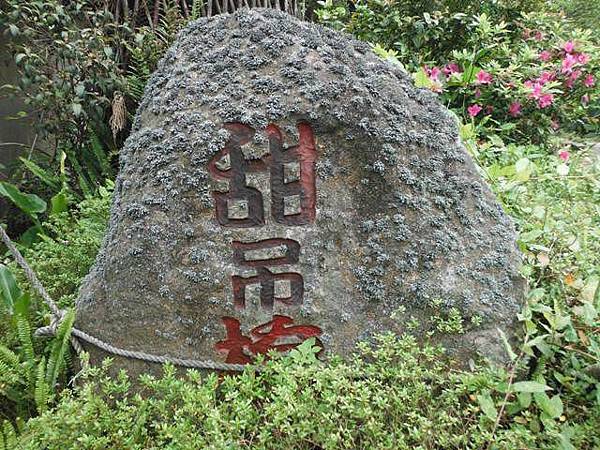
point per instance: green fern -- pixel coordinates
(8, 436)
(10, 358)
(197, 9)
(24, 334)
(42, 389)
(60, 349)
(101, 156)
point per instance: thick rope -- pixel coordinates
(76, 334)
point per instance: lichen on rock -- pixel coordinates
(403, 220)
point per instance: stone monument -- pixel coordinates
(282, 182)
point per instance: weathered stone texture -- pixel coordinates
(405, 227)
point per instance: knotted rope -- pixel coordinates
(76, 334)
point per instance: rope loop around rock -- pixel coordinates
(58, 315)
(55, 321)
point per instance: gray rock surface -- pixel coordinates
(404, 228)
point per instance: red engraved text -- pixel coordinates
(292, 174)
(280, 334)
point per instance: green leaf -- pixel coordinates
(29, 203)
(80, 89)
(551, 407)
(30, 236)
(47, 178)
(76, 108)
(524, 399)
(565, 439)
(59, 203)
(523, 169)
(530, 235)
(530, 386)
(507, 346)
(469, 74)
(487, 405)
(42, 390)
(421, 79)
(22, 304)
(9, 291)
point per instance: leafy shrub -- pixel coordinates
(67, 53)
(420, 32)
(394, 395)
(30, 369)
(68, 249)
(82, 72)
(524, 79)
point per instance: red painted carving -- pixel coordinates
(236, 175)
(264, 276)
(305, 154)
(293, 202)
(304, 187)
(280, 334)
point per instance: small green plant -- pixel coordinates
(28, 381)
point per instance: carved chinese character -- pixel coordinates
(292, 170)
(293, 189)
(279, 334)
(241, 206)
(271, 252)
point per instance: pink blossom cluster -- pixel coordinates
(434, 73)
(569, 69)
(571, 65)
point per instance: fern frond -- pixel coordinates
(171, 19)
(197, 9)
(9, 378)
(42, 390)
(60, 348)
(10, 436)
(101, 155)
(10, 358)
(24, 335)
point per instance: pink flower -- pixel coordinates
(546, 77)
(589, 80)
(536, 91)
(545, 56)
(564, 155)
(582, 58)
(572, 78)
(514, 109)
(473, 110)
(585, 99)
(538, 36)
(528, 83)
(451, 68)
(567, 63)
(434, 73)
(569, 46)
(545, 100)
(483, 77)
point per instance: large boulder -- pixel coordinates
(282, 182)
